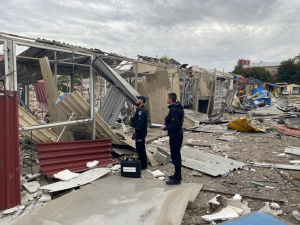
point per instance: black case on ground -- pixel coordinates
(131, 168)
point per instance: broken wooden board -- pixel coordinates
(158, 88)
(56, 113)
(292, 150)
(278, 166)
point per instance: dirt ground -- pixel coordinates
(250, 147)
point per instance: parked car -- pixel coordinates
(285, 92)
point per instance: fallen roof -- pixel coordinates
(115, 79)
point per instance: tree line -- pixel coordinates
(288, 71)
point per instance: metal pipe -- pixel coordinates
(92, 102)
(3, 77)
(136, 77)
(55, 67)
(64, 128)
(44, 126)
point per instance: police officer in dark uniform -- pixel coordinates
(173, 124)
(141, 121)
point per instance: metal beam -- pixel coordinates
(53, 61)
(92, 100)
(44, 126)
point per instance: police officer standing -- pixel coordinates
(141, 121)
(173, 124)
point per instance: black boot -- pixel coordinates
(173, 182)
(173, 177)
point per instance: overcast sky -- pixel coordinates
(210, 33)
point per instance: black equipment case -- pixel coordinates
(131, 168)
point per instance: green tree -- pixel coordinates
(164, 58)
(287, 72)
(67, 79)
(238, 70)
(254, 72)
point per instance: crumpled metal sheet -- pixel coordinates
(242, 124)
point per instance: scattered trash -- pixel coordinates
(258, 184)
(32, 187)
(65, 175)
(161, 141)
(228, 138)
(230, 208)
(45, 197)
(92, 164)
(161, 155)
(296, 214)
(237, 197)
(157, 173)
(267, 209)
(161, 178)
(11, 210)
(292, 150)
(242, 124)
(116, 167)
(281, 155)
(83, 178)
(33, 176)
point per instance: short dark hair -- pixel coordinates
(172, 96)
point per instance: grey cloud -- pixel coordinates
(213, 33)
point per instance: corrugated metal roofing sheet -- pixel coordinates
(113, 102)
(115, 79)
(76, 103)
(211, 164)
(40, 135)
(291, 131)
(41, 95)
(10, 195)
(73, 155)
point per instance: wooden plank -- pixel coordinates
(292, 150)
(158, 89)
(56, 113)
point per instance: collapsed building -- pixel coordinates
(89, 114)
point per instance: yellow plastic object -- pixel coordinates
(241, 124)
(273, 92)
(255, 95)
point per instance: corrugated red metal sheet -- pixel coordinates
(291, 131)
(73, 155)
(41, 95)
(1, 57)
(10, 194)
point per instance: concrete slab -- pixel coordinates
(32, 187)
(117, 200)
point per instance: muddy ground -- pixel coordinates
(249, 147)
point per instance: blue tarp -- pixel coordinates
(263, 95)
(256, 218)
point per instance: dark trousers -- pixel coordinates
(141, 148)
(175, 146)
